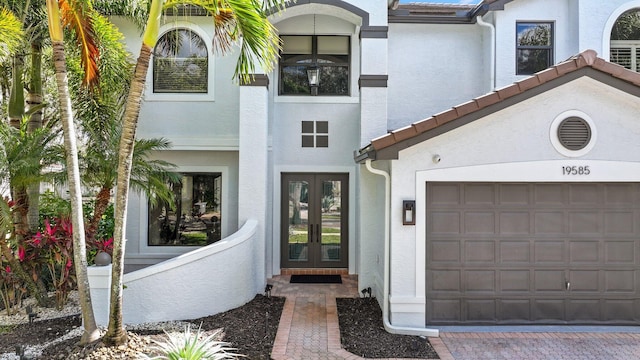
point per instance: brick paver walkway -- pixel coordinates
(308, 328)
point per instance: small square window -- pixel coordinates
(322, 141)
(534, 47)
(322, 127)
(307, 141)
(315, 134)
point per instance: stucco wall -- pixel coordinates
(433, 67)
(510, 145)
(209, 280)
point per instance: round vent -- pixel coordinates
(574, 133)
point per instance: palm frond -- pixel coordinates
(11, 34)
(76, 15)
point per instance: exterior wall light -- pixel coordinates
(313, 73)
(408, 212)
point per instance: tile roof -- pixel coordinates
(586, 59)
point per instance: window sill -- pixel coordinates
(186, 97)
(317, 99)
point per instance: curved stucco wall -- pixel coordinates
(206, 281)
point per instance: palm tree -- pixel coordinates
(235, 20)
(80, 22)
(100, 117)
(24, 157)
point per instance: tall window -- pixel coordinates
(329, 54)
(625, 41)
(180, 63)
(195, 219)
(534, 47)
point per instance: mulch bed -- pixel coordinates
(362, 333)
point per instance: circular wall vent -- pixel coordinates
(574, 133)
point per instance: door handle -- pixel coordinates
(310, 233)
(567, 285)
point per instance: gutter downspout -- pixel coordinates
(492, 29)
(385, 306)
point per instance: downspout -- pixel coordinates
(387, 245)
(492, 29)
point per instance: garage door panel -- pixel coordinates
(446, 251)
(549, 222)
(480, 281)
(584, 251)
(584, 194)
(515, 251)
(515, 281)
(514, 222)
(587, 222)
(514, 310)
(445, 310)
(480, 251)
(446, 223)
(479, 194)
(585, 281)
(481, 310)
(548, 310)
(514, 194)
(549, 252)
(549, 280)
(479, 222)
(620, 281)
(446, 280)
(518, 253)
(620, 252)
(583, 310)
(619, 223)
(551, 195)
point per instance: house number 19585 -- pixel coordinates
(576, 170)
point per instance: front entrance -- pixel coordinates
(314, 225)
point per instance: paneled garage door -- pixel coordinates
(522, 253)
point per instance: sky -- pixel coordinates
(443, 1)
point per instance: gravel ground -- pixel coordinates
(250, 328)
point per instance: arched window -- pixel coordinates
(625, 40)
(180, 63)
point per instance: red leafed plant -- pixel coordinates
(53, 248)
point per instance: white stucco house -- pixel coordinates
(472, 164)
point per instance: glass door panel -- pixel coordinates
(298, 220)
(331, 231)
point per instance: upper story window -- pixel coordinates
(180, 63)
(534, 47)
(625, 41)
(302, 55)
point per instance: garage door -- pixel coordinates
(522, 253)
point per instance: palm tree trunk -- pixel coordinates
(91, 332)
(116, 333)
(34, 101)
(102, 202)
(16, 98)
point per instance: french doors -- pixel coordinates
(314, 220)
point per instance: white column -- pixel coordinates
(100, 287)
(253, 168)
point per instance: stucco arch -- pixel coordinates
(606, 35)
(337, 8)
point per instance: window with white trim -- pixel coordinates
(329, 54)
(534, 47)
(180, 63)
(624, 49)
(195, 219)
